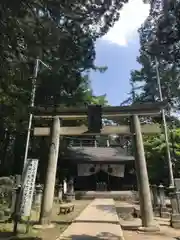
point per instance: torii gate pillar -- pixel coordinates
(142, 177)
(48, 196)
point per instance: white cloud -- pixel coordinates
(132, 16)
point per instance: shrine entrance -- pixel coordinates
(99, 175)
(102, 181)
(135, 129)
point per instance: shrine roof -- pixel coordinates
(99, 154)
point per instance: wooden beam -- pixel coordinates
(144, 109)
(107, 130)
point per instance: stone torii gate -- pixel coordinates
(135, 129)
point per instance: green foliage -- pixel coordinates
(97, 100)
(159, 37)
(63, 35)
(156, 155)
(1, 215)
(6, 188)
(6, 181)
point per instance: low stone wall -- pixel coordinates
(129, 196)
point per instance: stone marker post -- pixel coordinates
(60, 193)
(142, 176)
(38, 195)
(64, 189)
(16, 215)
(151, 192)
(49, 186)
(175, 216)
(17, 182)
(155, 197)
(163, 210)
(70, 192)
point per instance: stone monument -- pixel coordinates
(70, 195)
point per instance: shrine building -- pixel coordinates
(101, 168)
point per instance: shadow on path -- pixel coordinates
(62, 222)
(95, 221)
(102, 235)
(4, 235)
(9, 235)
(130, 227)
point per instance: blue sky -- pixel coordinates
(118, 51)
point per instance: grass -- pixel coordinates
(64, 220)
(61, 222)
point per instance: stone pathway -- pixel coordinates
(99, 220)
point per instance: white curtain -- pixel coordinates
(116, 170)
(103, 167)
(85, 169)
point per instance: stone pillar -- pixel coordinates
(70, 196)
(108, 144)
(175, 216)
(142, 177)
(64, 189)
(16, 216)
(163, 210)
(64, 186)
(152, 199)
(13, 202)
(38, 195)
(60, 193)
(17, 182)
(156, 201)
(174, 202)
(155, 197)
(49, 186)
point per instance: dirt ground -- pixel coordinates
(131, 235)
(61, 222)
(130, 225)
(130, 230)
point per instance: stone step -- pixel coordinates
(116, 195)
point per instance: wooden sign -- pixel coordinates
(30, 178)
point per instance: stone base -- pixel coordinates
(45, 226)
(156, 212)
(164, 213)
(69, 197)
(175, 221)
(150, 229)
(161, 212)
